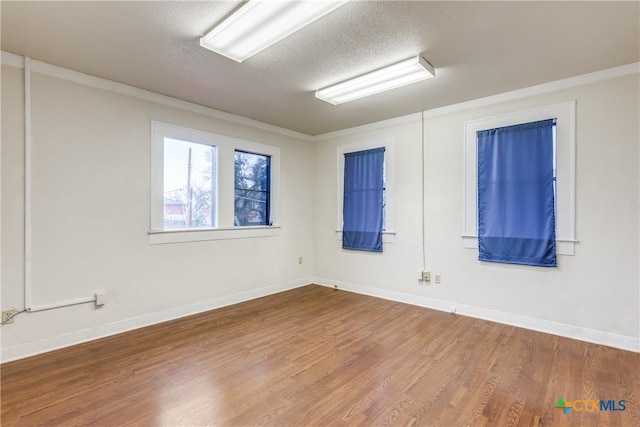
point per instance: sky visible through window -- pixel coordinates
(189, 198)
(176, 164)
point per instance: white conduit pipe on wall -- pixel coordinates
(424, 250)
(28, 297)
(27, 184)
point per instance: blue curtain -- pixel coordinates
(516, 213)
(363, 200)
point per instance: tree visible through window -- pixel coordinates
(206, 186)
(252, 189)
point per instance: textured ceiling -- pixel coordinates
(477, 48)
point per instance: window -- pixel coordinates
(252, 189)
(564, 164)
(387, 144)
(189, 184)
(363, 206)
(206, 186)
(516, 202)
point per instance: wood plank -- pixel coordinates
(315, 356)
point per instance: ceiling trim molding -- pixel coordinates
(597, 76)
(17, 61)
(584, 79)
(11, 59)
(413, 117)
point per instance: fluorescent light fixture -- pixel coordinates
(403, 73)
(260, 23)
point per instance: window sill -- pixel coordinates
(387, 236)
(157, 237)
(563, 247)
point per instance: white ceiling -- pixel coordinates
(477, 48)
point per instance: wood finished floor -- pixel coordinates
(315, 356)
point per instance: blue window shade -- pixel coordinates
(516, 206)
(363, 200)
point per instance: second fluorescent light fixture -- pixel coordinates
(260, 23)
(403, 73)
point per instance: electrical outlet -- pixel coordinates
(426, 276)
(437, 279)
(7, 316)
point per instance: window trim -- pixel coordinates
(565, 113)
(225, 150)
(388, 235)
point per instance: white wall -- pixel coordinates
(91, 183)
(91, 217)
(396, 267)
(593, 295)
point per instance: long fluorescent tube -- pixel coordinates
(403, 73)
(260, 23)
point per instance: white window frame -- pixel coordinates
(565, 113)
(388, 235)
(225, 170)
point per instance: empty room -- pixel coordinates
(320, 213)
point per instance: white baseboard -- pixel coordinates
(54, 343)
(570, 331)
(561, 329)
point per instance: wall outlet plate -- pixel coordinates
(8, 315)
(99, 298)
